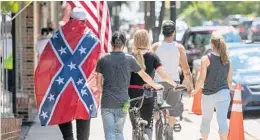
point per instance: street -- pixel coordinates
(190, 128)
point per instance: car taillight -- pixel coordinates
(242, 29)
(254, 29)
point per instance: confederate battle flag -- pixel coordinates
(65, 78)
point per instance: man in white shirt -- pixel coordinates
(172, 56)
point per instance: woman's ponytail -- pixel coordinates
(222, 49)
(141, 42)
(220, 46)
(140, 59)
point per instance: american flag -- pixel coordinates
(98, 20)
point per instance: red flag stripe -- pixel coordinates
(91, 27)
(89, 11)
(98, 19)
(94, 4)
(92, 7)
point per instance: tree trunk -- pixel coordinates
(156, 30)
(152, 15)
(145, 15)
(161, 14)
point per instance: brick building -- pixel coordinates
(27, 30)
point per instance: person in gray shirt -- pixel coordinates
(113, 79)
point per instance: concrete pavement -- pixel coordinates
(37, 132)
(190, 129)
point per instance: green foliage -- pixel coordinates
(193, 11)
(12, 6)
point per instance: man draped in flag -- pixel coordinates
(65, 78)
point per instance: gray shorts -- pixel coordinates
(174, 99)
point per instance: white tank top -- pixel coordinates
(170, 58)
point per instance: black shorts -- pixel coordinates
(147, 110)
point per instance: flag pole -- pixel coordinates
(21, 11)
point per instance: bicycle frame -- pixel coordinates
(138, 131)
(163, 129)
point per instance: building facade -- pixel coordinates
(26, 31)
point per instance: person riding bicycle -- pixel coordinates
(172, 56)
(149, 62)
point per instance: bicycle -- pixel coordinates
(163, 129)
(139, 130)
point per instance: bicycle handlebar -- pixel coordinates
(141, 99)
(136, 99)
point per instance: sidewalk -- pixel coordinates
(37, 132)
(190, 131)
(190, 128)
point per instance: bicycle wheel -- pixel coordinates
(159, 130)
(168, 133)
(136, 135)
(145, 137)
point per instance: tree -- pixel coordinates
(196, 12)
(11, 6)
(156, 30)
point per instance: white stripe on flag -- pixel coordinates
(91, 7)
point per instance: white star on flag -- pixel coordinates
(51, 97)
(82, 50)
(55, 35)
(72, 66)
(60, 80)
(44, 115)
(62, 50)
(91, 107)
(80, 81)
(83, 92)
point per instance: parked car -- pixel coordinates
(244, 27)
(233, 20)
(254, 31)
(245, 60)
(196, 39)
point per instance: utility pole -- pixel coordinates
(173, 11)
(145, 14)
(13, 32)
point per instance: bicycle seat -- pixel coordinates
(165, 106)
(144, 122)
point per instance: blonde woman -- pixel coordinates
(216, 78)
(149, 62)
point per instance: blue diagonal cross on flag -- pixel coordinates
(70, 71)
